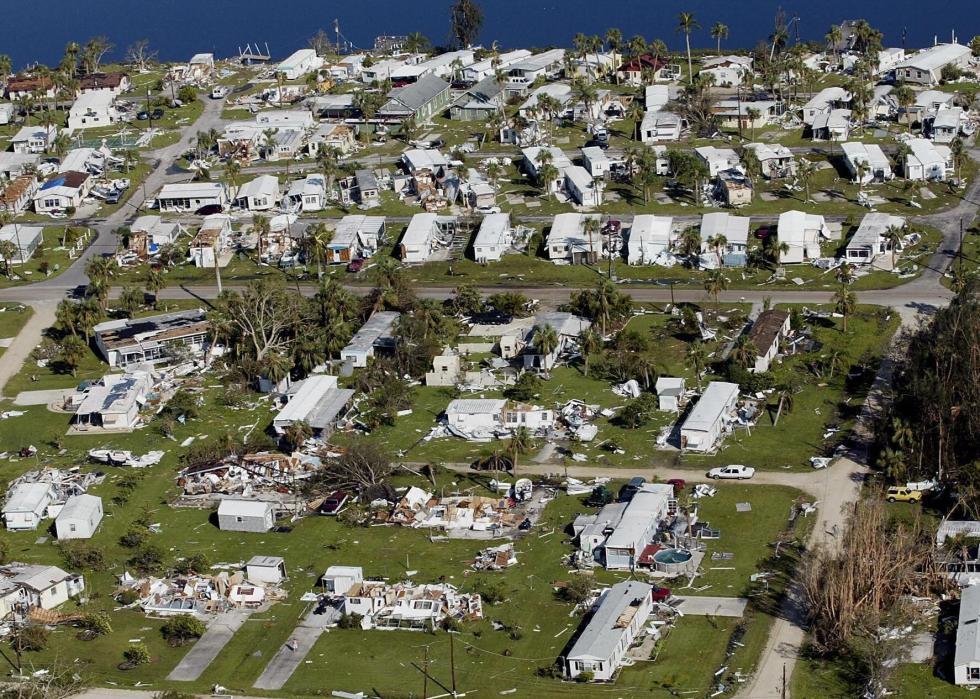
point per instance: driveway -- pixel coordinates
(284, 663)
(27, 339)
(711, 606)
(202, 653)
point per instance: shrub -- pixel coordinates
(638, 412)
(585, 676)
(82, 556)
(4, 550)
(197, 563)
(350, 621)
(182, 629)
(147, 559)
(134, 537)
(127, 597)
(554, 671)
(137, 654)
(526, 387)
(96, 624)
(491, 592)
(576, 590)
(30, 638)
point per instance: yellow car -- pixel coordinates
(898, 493)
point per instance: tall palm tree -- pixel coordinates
(153, 282)
(785, 392)
(718, 243)
(804, 173)
(905, 96)
(715, 283)
(845, 302)
(744, 351)
(318, 238)
(590, 342)
(753, 115)
(697, 357)
(545, 342)
(614, 40)
(686, 23)
(719, 31)
(520, 443)
(834, 36)
(8, 251)
(893, 235)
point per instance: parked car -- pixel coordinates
(113, 197)
(143, 115)
(209, 209)
(627, 492)
(660, 594)
(600, 496)
(334, 503)
(733, 471)
(355, 266)
(901, 493)
(484, 210)
(158, 113)
(679, 485)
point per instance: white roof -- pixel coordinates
(558, 159)
(80, 507)
(305, 399)
(265, 561)
(32, 133)
(710, 407)
(769, 151)
(344, 571)
(244, 508)
(22, 236)
(27, 497)
(603, 633)
(793, 226)
(669, 385)
(96, 99)
(421, 158)
(656, 96)
(595, 154)
(734, 228)
(874, 227)
(724, 155)
(868, 153)
(494, 230)
(580, 177)
(948, 118)
(570, 229)
(420, 229)
(929, 153)
(376, 327)
(826, 96)
(560, 91)
(191, 190)
(298, 57)
(351, 226)
(647, 504)
(967, 636)
(647, 229)
(539, 61)
(476, 406)
(263, 185)
(933, 98)
(40, 577)
(935, 57)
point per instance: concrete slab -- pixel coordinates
(712, 606)
(219, 632)
(6, 341)
(55, 395)
(284, 663)
(926, 193)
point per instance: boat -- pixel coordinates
(99, 455)
(574, 486)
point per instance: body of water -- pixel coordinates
(177, 29)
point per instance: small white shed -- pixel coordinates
(339, 579)
(966, 662)
(266, 569)
(670, 393)
(246, 516)
(79, 518)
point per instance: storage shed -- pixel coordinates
(246, 516)
(79, 518)
(266, 569)
(26, 506)
(705, 424)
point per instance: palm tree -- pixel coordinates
(844, 303)
(269, 140)
(697, 357)
(8, 251)
(718, 243)
(834, 362)
(591, 226)
(590, 342)
(686, 23)
(520, 443)
(753, 115)
(785, 392)
(233, 169)
(719, 31)
(834, 36)
(318, 238)
(416, 42)
(635, 112)
(958, 150)
(66, 316)
(545, 342)
(614, 39)
(689, 243)
(262, 228)
(894, 238)
(804, 174)
(71, 352)
(905, 96)
(744, 351)
(715, 283)
(153, 282)
(5, 66)
(845, 274)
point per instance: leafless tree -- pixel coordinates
(140, 55)
(263, 316)
(363, 465)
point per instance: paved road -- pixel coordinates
(207, 647)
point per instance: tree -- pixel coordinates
(296, 434)
(697, 357)
(744, 351)
(154, 282)
(139, 54)
(893, 236)
(520, 443)
(804, 174)
(719, 31)
(466, 300)
(614, 39)
(263, 317)
(686, 23)
(845, 302)
(362, 465)
(905, 96)
(603, 304)
(545, 341)
(834, 37)
(318, 239)
(590, 342)
(8, 251)
(714, 283)
(416, 42)
(71, 352)
(974, 48)
(785, 393)
(465, 22)
(131, 300)
(182, 629)
(638, 411)
(753, 116)
(136, 654)
(95, 50)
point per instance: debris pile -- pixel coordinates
(249, 474)
(63, 483)
(495, 558)
(200, 595)
(409, 606)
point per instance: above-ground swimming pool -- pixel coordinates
(671, 560)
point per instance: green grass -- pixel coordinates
(50, 251)
(13, 317)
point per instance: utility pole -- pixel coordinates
(782, 693)
(452, 661)
(425, 675)
(959, 254)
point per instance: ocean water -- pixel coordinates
(176, 29)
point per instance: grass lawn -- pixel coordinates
(13, 317)
(50, 253)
